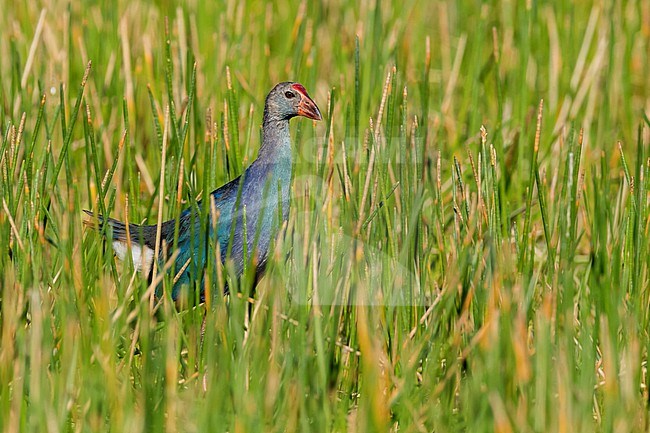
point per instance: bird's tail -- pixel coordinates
(134, 237)
(117, 231)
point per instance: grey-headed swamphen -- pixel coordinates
(257, 194)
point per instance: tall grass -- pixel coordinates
(467, 245)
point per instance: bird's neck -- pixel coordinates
(271, 169)
(276, 143)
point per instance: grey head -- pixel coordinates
(287, 100)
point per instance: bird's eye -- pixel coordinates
(289, 94)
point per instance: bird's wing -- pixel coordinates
(141, 239)
(224, 197)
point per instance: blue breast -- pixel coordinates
(260, 198)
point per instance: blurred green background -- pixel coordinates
(433, 276)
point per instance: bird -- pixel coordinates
(249, 209)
